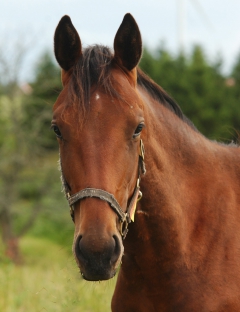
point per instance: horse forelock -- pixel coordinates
(93, 69)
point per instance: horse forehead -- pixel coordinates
(124, 103)
(120, 105)
(125, 98)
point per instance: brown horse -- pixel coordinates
(182, 253)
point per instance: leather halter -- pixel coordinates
(124, 217)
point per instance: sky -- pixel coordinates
(214, 24)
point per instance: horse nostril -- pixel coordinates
(78, 250)
(117, 250)
(78, 241)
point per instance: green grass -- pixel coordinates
(49, 280)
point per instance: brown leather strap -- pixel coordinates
(101, 194)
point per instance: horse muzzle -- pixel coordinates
(98, 257)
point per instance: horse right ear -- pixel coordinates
(67, 44)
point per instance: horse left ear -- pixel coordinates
(128, 43)
(67, 44)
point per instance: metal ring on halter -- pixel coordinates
(124, 228)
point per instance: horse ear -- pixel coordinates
(128, 43)
(67, 44)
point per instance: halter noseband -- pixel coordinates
(124, 217)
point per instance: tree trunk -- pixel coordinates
(10, 241)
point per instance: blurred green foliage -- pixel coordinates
(207, 97)
(29, 179)
(43, 93)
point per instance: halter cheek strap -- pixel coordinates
(124, 217)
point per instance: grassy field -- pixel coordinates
(49, 281)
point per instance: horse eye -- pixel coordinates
(57, 131)
(138, 130)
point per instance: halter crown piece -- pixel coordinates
(124, 217)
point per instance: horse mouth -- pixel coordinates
(96, 270)
(95, 276)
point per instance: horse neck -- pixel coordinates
(182, 167)
(173, 147)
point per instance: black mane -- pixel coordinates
(94, 69)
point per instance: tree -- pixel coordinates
(23, 143)
(45, 89)
(233, 85)
(198, 86)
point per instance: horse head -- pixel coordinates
(98, 118)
